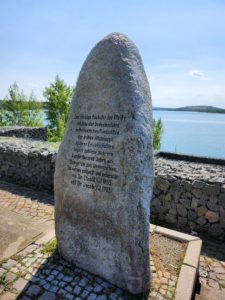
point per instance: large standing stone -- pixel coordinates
(104, 169)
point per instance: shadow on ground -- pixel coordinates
(56, 279)
(40, 196)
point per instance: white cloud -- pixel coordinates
(196, 73)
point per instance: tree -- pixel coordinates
(18, 109)
(58, 98)
(157, 133)
(34, 115)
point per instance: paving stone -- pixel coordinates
(213, 284)
(9, 264)
(92, 296)
(163, 280)
(28, 277)
(69, 296)
(47, 296)
(101, 297)
(67, 278)
(98, 288)
(20, 284)
(83, 282)
(62, 283)
(68, 288)
(10, 277)
(33, 290)
(219, 270)
(113, 296)
(62, 292)
(8, 296)
(47, 286)
(54, 272)
(28, 250)
(53, 289)
(84, 293)
(60, 276)
(50, 278)
(77, 290)
(43, 282)
(89, 288)
(2, 271)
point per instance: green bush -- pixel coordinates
(157, 133)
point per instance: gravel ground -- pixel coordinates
(167, 253)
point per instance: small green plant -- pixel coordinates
(3, 281)
(50, 247)
(157, 133)
(222, 283)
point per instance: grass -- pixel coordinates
(222, 283)
(49, 145)
(3, 281)
(50, 247)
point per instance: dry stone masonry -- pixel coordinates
(190, 195)
(27, 163)
(104, 174)
(23, 163)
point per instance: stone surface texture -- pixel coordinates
(104, 168)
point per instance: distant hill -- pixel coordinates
(200, 108)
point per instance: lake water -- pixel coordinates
(193, 133)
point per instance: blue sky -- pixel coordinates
(182, 44)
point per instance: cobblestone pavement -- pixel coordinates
(35, 274)
(24, 201)
(212, 265)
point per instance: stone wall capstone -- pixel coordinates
(37, 133)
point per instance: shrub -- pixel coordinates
(157, 133)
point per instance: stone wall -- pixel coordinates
(187, 195)
(24, 163)
(37, 133)
(190, 195)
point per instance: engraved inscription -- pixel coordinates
(92, 161)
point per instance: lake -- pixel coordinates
(193, 133)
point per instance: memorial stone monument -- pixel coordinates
(104, 170)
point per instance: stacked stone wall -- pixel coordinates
(190, 195)
(24, 164)
(187, 195)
